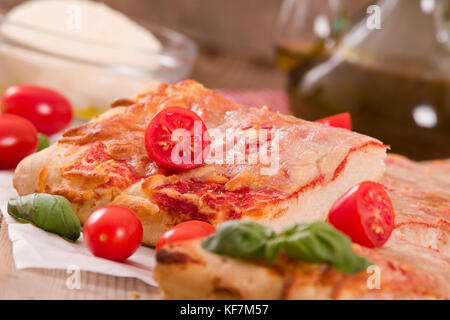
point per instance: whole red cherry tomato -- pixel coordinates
(48, 110)
(183, 151)
(113, 232)
(341, 120)
(365, 214)
(185, 231)
(18, 139)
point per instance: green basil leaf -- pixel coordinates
(273, 249)
(43, 142)
(49, 212)
(242, 239)
(319, 242)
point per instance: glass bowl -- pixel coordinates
(91, 85)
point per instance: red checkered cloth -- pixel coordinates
(276, 100)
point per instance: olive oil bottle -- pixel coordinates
(395, 81)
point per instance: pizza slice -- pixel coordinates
(400, 270)
(306, 166)
(413, 264)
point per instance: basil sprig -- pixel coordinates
(316, 242)
(49, 212)
(240, 239)
(320, 242)
(43, 142)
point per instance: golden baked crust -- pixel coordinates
(105, 161)
(186, 271)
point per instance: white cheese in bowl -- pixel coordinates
(70, 22)
(67, 32)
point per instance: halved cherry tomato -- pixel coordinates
(113, 232)
(177, 149)
(341, 120)
(48, 110)
(185, 231)
(18, 139)
(365, 214)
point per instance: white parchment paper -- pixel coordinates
(36, 248)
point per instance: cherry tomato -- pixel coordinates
(365, 214)
(113, 232)
(48, 110)
(341, 120)
(18, 139)
(177, 152)
(185, 231)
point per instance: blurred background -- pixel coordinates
(388, 64)
(235, 37)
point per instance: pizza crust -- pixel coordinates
(43, 167)
(184, 270)
(322, 164)
(42, 172)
